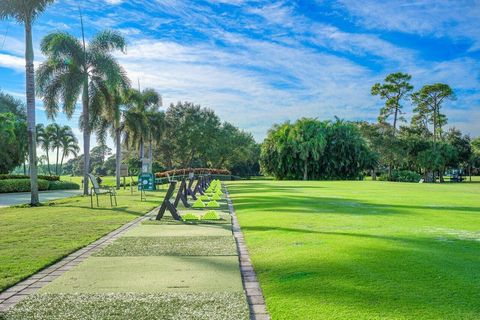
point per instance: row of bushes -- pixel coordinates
(23, 185)
(22, 176)
(177, 172)
(401, 176)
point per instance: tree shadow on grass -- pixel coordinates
(409, 278)
(264, 187)
(328, 205)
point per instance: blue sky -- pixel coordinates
(262, 62)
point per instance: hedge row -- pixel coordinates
(22, 176)
(177, 172)
(23, 185)
(401, 176)
(63, 185)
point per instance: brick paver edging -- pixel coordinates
(21, 290)
(256, 302)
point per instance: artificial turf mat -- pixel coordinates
(150, 274)
(171, 246)
(189, 222)
(146, 230)
(138, 306)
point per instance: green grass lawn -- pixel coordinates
(33, 238)
(109, 181)
(363, 249)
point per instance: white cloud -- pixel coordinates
(12, 62)
(453, 19)
(270, 63)
(114, 2)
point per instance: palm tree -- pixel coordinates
(71, 70)
(69, 145)
(44, 139)
(25, 12)
(113, 121)
(156, 128)
(56, 134)
(137, 124)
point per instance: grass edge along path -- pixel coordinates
(35, 238)
(29, 286)
(205, 283)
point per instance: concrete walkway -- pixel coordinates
(13, 199)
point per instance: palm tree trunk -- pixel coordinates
(30, 93)
(395, 120)
(56, 162)
(48, 163)
(118, 156)
(150, 156)
(61, 163)
(305, 171)
(142, 153)
(86, 137)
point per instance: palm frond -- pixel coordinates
(108, 40)
(104, 65)
(22, 10)
(63, 47)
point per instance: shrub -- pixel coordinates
(21, 185)
(63, 185)
(22, 176)
(49, 178)
(402, 176)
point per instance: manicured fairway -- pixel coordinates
(33, 238)
(363, 249)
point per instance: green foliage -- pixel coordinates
(429, 101)
(437, 156)
(8, 104)
(401, 176)
(195, 137)
(13, 137)
(63, 185)
(395, 88)
(23, 11)
(21, 176)
(21, 185)
(59, 139)
(72, 69)
(337, 152)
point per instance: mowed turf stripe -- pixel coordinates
(138, 306)
(150, 274)
(192, 230)
(171, 246)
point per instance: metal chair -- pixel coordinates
(97, 190)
